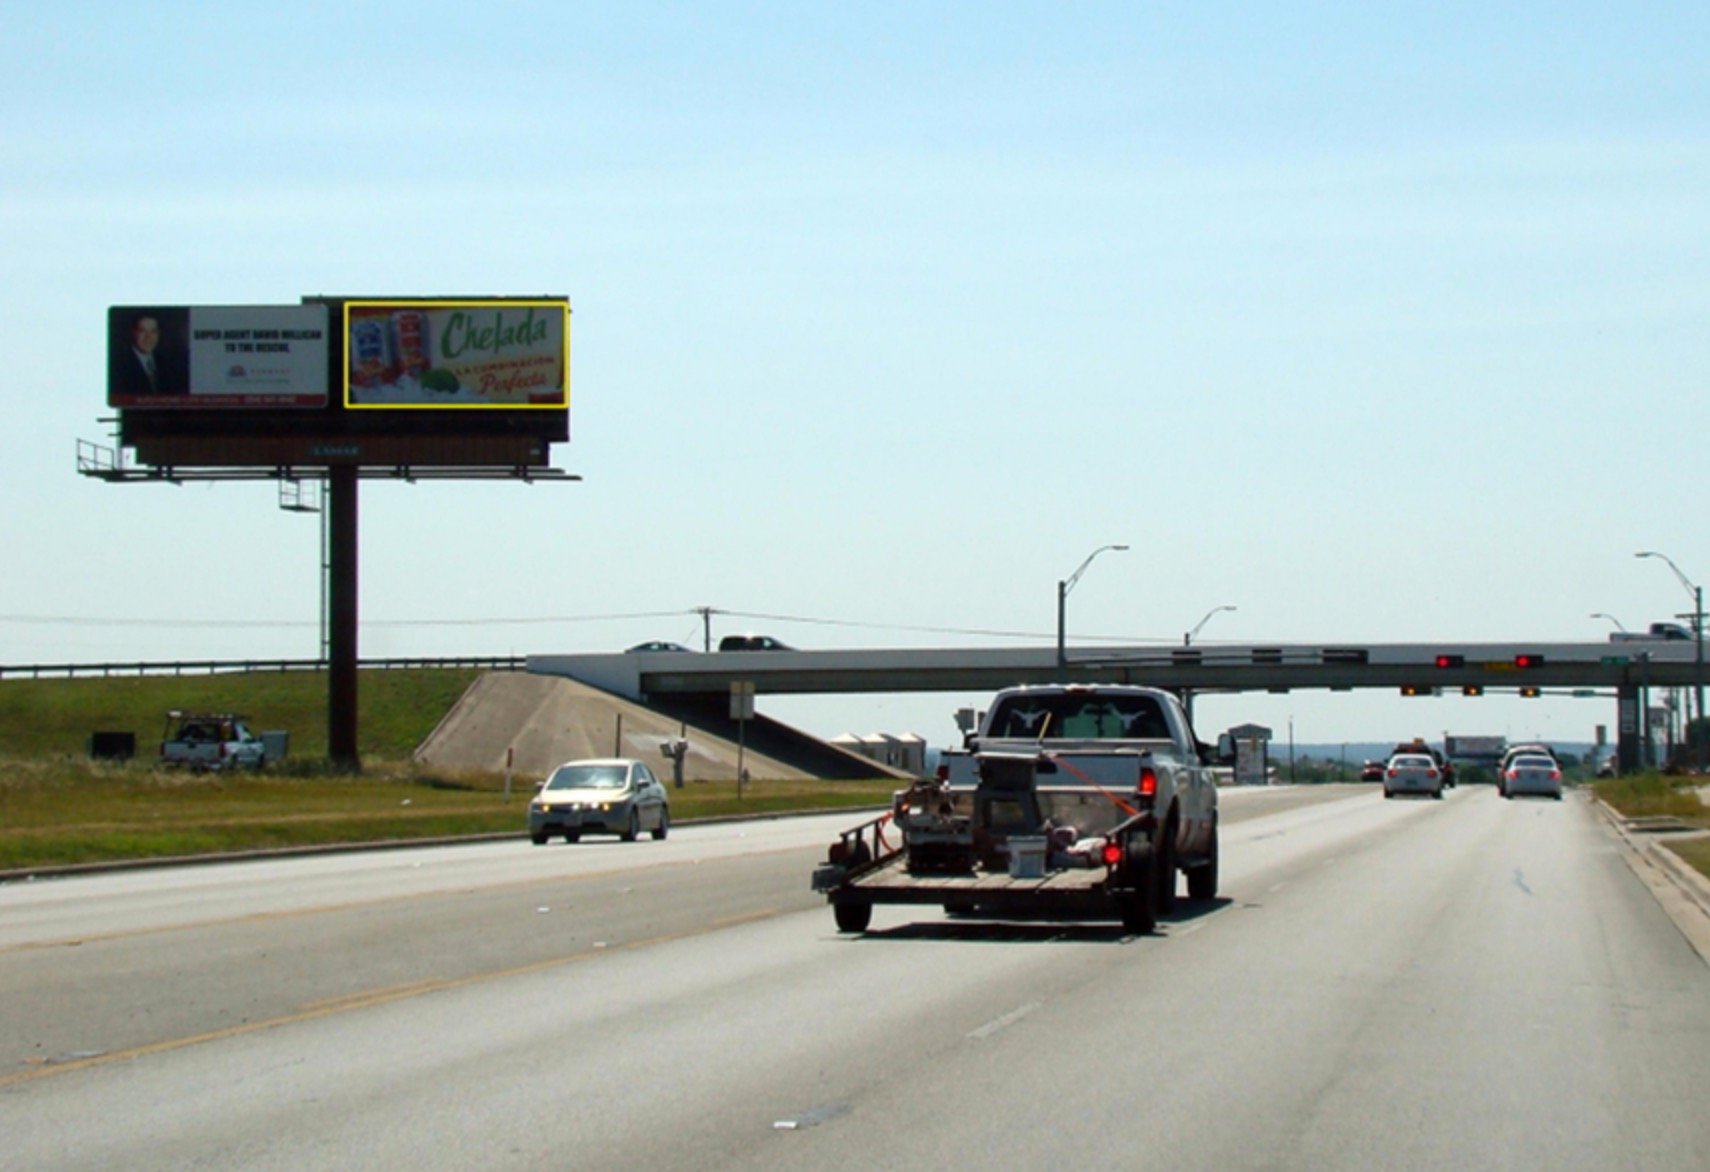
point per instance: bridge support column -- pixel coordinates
(1629, 738)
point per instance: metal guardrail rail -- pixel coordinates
(195, 667)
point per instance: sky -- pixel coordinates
(1374, 322)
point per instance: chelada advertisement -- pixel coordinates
(217, 356)
(510, 353)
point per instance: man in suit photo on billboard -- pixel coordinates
(148, 355)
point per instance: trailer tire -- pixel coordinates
(1138, 905)
(1202, 880)
(853, 916)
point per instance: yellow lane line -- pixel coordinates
(371, 999)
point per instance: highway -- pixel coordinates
(1404, 984)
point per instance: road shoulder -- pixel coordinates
(1679, 888)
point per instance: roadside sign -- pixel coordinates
(742, 699)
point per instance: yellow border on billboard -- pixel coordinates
(455, 303)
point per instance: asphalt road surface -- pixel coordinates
(1409, 984)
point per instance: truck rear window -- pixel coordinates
(1079, 718)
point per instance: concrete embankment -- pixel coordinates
(539, 721)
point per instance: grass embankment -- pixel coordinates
(1656, 795)
(57, 807)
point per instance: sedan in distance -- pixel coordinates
(1412, 773)
(1531, 774)
(611, 795)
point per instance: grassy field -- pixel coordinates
(45, 719)
(58, 807)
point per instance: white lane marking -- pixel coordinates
(1008, 1019)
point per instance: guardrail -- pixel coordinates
(193, 667)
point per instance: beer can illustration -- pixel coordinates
(410, 329)
(370, 352)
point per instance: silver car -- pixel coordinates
(1412, 773)
(611, 795)
(1532, 774)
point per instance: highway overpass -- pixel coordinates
(1621, 670)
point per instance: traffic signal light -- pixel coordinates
(1451, 661)
(1528, 659)
(1530, 692)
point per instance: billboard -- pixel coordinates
(217, 356)
(510, 354)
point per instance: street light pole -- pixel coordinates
(1063, 587)
(1187, 638)
(1187, 641)
(1597, 614)
(1697, 593)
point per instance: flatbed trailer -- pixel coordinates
(868, 867)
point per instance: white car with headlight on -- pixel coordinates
(611, 795)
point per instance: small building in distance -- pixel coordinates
(906, 752)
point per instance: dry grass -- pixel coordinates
(1656, 795)
(1696, 853)
(71, 811)
(1653, 795)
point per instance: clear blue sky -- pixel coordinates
(1376, 322)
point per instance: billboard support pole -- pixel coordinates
(341, 628)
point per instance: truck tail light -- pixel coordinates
(1112, 853)
(1148, 782)
(1391, 771)
(1430, 773)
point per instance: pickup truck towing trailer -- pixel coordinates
(1079, 826)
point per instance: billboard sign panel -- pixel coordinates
(510, 353)
(1464, 746)
(217, 356)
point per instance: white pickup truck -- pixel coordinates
(210, 740)
(1076, 800)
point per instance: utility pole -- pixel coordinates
(706, 613)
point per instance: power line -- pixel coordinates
(550, 620)
(86, 621)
